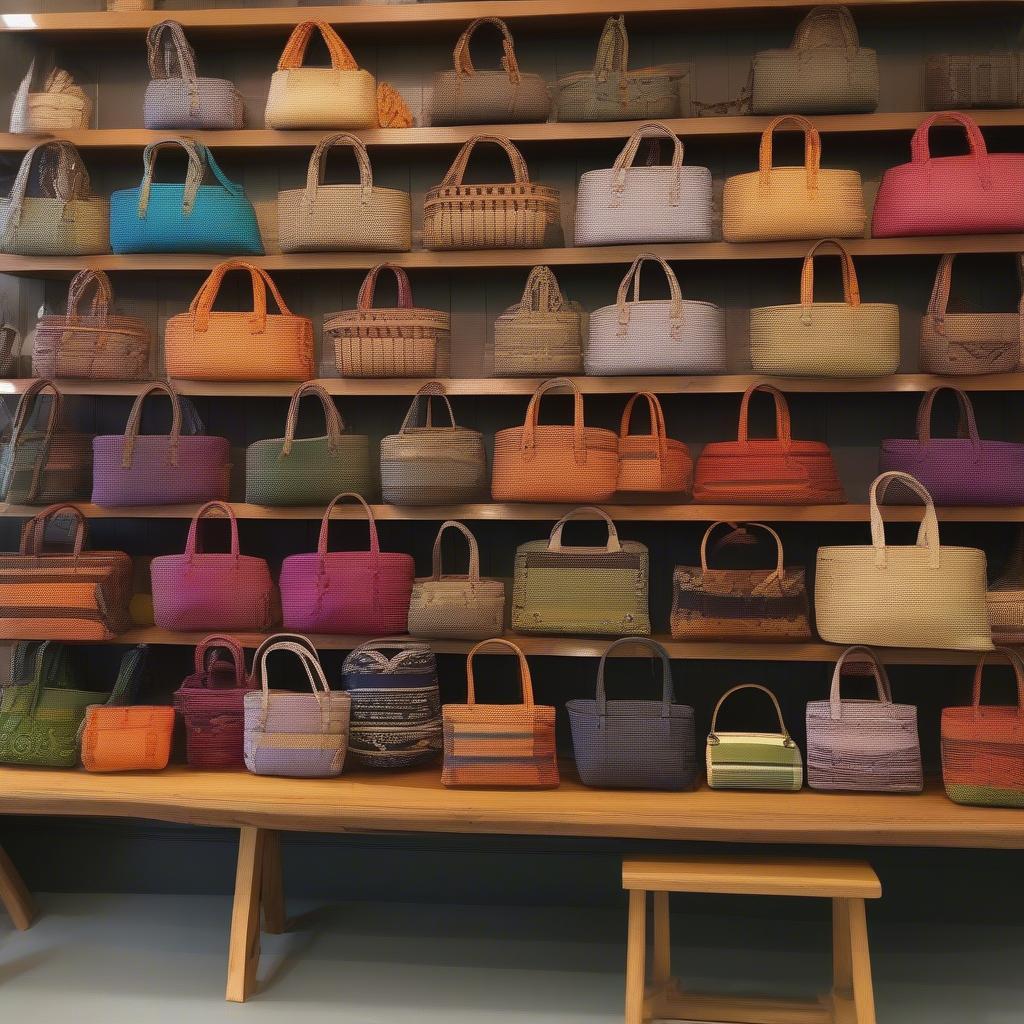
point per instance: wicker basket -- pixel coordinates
(60, 106)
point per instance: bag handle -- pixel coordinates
(170, 56)
(318, 161)
(739, 531)
(967, 426)
(216, 641)
(920, 151)
(457, 171)
(668, 696)
(321, 546)
(33, 534)
(812, 149)
(192, 545)
(306, 653)
(199, 157)
(612, 51)
(474, 551)
(102, 298)
(811, 32)
(851, 288)
(542, 293)
(335, 424)
(624, 161)
(938, 303)
(62, 175)
(783, 731)
(131, 430)
(464, 62)
(428, 392)
(364, 300)
(1018, 671)
(294, 54)
(555, 539)
(783, 426)
(633, 277)
(657, 417)
(528, 446)
(882, 683)
(928, 532)
(525, 680)
(202, 304)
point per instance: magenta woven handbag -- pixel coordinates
(201, 590)
(977, 193)
(360, 592)
(161, 469)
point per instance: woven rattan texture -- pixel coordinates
(130, 739)
(962, 81)
(60, 105)
(652, 462)
(1006, 598)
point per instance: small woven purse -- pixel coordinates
(127, 739)
(60, 106)
(652, 463)
(1005, 598)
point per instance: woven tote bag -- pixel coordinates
(1005, 598)
(136, 738)
(176, 97)
(505, 95)
(356, 592)
(59, 106)
(537, 462)
(634, 744)
(183, 467)
(626, 204)
(542, 334)
(53, 212)
(655, 336)
(870, 746)
(499, 745)
(432, 464)
(396, 704)
(954, 81)
(926, 594)
(389, 341)
(652, 463)
(826, 339)
(202, 590)
(299, 735)
(973, 194)
(740, 604)
(592, 591)
(204, 344)
(772, 203)
(769, 471)
(509, 215)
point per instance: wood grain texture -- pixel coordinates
(244, 942)
(14, 896)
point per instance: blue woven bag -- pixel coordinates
(192, 217)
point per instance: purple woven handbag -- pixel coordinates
(961, 470)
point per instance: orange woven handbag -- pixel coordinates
(652, 462)
(126, 739)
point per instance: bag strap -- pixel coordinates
(813, 30)
(528, 445)
(783, 731)
(542, 293)
(967, 427)
(613, 51)
(457, 171)
(783, 426)
(740, 531)
(657, 417)
(33, 535)
(668, 696)
(364, 300)
(812, 149)
(851, 287)
(131, 431)
(102, 294)
(938, 303)
(1016, 663)
(318, 161)
(220, 641)
(199, 159)
(624, 161)
(202, 304)
(325, 522)
(928, 532)
(310, 661)
(334, 422)
(463, 59)
(920, 151)
(431, 390)
(62, 175)
(170, 56)
(294, 53)
(474, 551)
(129, 676)
(192, 545)
(882, 683)
(555, 539)
(525, 680)
(633, 277)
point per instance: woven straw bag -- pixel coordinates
(389, 341)
(590, 591)
(499, 744)
(343, 218)
(627, 204)
(652, 463)
(467, 95)
(60, 106)
(826, 339)
(542, 334)
(655, 336)
(555, 463)
(954, 81)
(510, 215)
(132, 739)
(432, 465)
(776, 203)
(1005, 598)
(203, 344)
(918, 595)
(62, 217)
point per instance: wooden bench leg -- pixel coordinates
(244, 945)
(275, 921)
(662, 953)
(13, 894)
(860, 956)
(636, 956)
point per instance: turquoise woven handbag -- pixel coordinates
(192, 217)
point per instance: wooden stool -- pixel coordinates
(846, 883)
(13, 894)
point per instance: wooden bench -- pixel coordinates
(13, 894)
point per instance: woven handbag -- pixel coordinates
(634, 744)
(127, 739)
(769, 471)
(202, 590)
(343, 218)
(655, 336)
(555, 463)
(592, 591)
(509, 215)
(396, 704)
(300, 735)
(870, 746)
(204, 344)
(389, 341)
(1005, 598)
(430, 464)
(357, 592)
(775, 203)
(626, 204)
(753, 760)
(542, 334)
(183, 467)
(926, 594)
(652, 463)
(59, 106)
(176, 97)
(954, 81)
(505, 95)
(740, 604)
(507, 745)
(826, 339)
(983, 746)
(973, 194)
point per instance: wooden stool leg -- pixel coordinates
(662, 954)
(13, 894)
(275, 921)
(244, 945)
(863, 992)
(636, 956)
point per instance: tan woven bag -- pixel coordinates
(653, 462)
(776, 203)
(512, 215)
(1005, 599)
(61, 105)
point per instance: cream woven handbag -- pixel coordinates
(644, 204)
(776, 203)
(920, 595)
(826, 339)
(655, 336)
(343, 218)
(61, 105)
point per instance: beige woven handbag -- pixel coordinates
(652, 462)
(826, 339)
(343, 218)
(61, 105)
(776, 203)
(964, 81)
(1006, 599)
(919, 595)
(513, 215)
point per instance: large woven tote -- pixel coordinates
(655, 336)
(1005, 598)
(61, 105)
(555, 463)
(634, 744)
(204, 344)
(626, 204)
(960, 81)
(826, 339)
(926, 594)
(652, 463)
(499, 744)
(775, 203)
